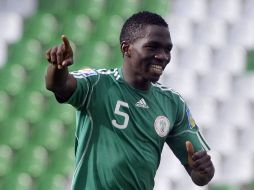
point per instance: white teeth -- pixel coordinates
(157, 66)
(157, 69)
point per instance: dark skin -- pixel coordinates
(144, 62)
(141, 56)
(58, 79)
(200, 166)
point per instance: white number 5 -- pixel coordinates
(118, 112)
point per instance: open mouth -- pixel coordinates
(158, 69)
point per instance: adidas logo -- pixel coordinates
(141, 103)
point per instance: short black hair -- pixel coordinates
(133, 26)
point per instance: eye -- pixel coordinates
(152, 47)
(168, 50)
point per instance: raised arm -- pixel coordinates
(58, 79)
(200, 166)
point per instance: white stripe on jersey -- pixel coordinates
(164, 88)
(202, 142)
(90, 134)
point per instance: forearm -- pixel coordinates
(60, 82)
(56, 79)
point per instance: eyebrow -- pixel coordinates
(169, 45)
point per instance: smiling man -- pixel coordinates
(124, 116)
(145, 56)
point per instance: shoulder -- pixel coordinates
(95, 73)
(166, 91)
(84, 73)
(109, 72)
(110, 75)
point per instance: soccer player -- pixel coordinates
(124, 116)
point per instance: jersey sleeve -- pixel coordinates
(86, 79)
(185, 129)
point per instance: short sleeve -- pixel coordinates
(185, 129)
(85, 81)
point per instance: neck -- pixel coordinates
(134, 80)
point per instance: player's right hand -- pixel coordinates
(62, 55)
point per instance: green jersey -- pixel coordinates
(120, 131)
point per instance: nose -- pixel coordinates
(163, 56)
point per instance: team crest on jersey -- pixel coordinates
(192, 123)
(161, 126)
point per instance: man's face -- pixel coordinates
(150, 54)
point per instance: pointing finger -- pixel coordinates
(66, 42)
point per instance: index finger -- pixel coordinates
(65, 41)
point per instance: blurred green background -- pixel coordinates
(36, 133)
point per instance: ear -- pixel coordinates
(125, 48)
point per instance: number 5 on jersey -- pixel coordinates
(120, 113)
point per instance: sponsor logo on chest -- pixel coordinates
(142, 103)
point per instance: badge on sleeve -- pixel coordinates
(87, 72)
(84, 73)
(192, 123)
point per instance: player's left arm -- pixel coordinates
(199, 166)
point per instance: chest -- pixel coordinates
(144, 116)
